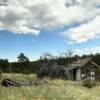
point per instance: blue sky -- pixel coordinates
(33, 46)
(38, 26)
(11, 45)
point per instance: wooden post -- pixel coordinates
(0, 75)
(78, 74)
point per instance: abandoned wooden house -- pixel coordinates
(81, 69)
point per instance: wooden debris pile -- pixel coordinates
(9, 83)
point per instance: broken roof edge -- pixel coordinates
(80, 62)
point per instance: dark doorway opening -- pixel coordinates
(74, 74)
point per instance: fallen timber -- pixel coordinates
(10, 83)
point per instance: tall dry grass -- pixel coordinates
(52, 90)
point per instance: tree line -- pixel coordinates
(25, 66)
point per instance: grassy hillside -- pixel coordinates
(52, 90)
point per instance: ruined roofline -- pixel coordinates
(80, 62)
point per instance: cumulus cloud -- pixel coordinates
(30, 16)
(90, 50)
(86, 31)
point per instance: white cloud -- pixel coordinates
(90, 50)
(30, 16)
(70, 42)
(85, 32)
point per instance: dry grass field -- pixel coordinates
(52, 90)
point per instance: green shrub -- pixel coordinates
(89, 83)
(25, 71)
(0, 75)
